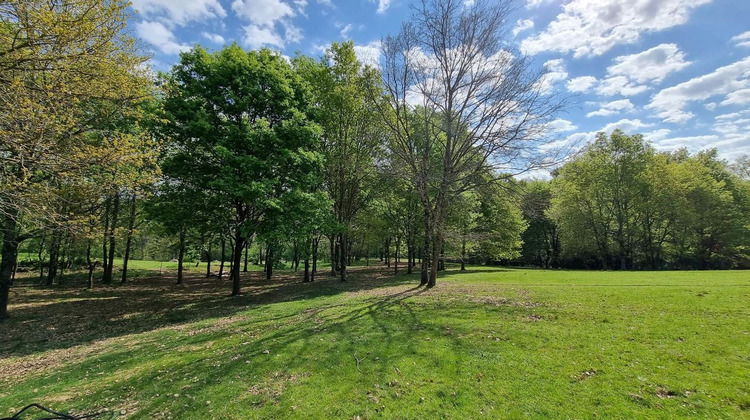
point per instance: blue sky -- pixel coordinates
(677, 71)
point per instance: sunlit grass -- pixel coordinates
(484, 343)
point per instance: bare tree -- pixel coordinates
(462, 103)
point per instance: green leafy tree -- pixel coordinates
(239, 132)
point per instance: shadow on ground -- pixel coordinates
(44, 318)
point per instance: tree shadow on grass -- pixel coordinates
(44, 318)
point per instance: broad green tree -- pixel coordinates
(239, 133)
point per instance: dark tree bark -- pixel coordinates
(333, 255)
(107, 279)
(91, 266)
(40, 256)
(343, 246)
(105, 241)
(223, 256)
(128, 240)
(395, 255)
(8, 263)
(208, 260)
(54, 256)
(181, 257)
(269, 262)
(463, 254)
(239, 244)
(316, 241)
(247, 247)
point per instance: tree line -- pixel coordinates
(249, 157)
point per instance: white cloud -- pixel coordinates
(593, 27)
(369, 54)
(259, 36)
(158, 35)
(555, 73)
(628, 126)
(650, 66)
(215, 38)
(180, 12)
(739, 97)
(533, 4)
(560, 125)
(670, 103)
(262, 12)
(345, 30)
(742, 40)
(581, 84)
(523, 25)
(265, 17)
(612, 108)
(383, 6)
(619, 85)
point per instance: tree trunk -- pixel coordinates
(395, 256)
(239, 244)
(306, 278)
(112, 226)
(128, 241)
(40, 255)
(316, 241)
(333, 255)
(105, 240)
(181, 257)
(247, 247)
(90, 266)
(54, 256)
(425, 269)
(295, 257)
(269, 262)
(463, 254)
(8, 263)
(223, 256)
(208, 260)
(344, 250)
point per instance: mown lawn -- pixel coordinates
(490, 342)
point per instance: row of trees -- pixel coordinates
(238, 154)
(623, 205)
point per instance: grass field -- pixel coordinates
(488, 343)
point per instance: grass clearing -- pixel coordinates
(489, 342)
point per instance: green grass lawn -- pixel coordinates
(488, 343)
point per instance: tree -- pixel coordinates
(352, 138)
(240, 135)
(601, 194)
(541, 240)
(451, 78)
(58, 58)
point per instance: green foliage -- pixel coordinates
(624, 205)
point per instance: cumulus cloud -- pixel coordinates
(180, 12)
(266, 17)
(383, 6)
(161, 37)
(345, 30)
(369, 54)
(612, 108)
(581, 84)
(259, 36)
(560, 125)
(523, 25)
(555, 73)
(619, 85)
(593, 27)
(730, 80)
(650, 66)
(742, 40)
(215, 38)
